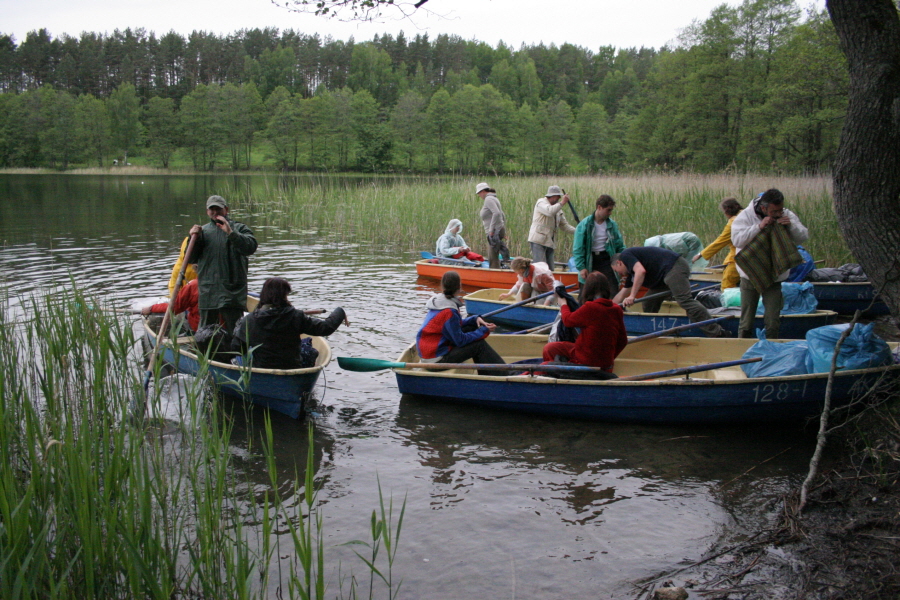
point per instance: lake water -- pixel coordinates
(499, 505)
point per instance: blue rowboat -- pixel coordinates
(281, 390)
(636, 323)
(719, 396)
(842, 298)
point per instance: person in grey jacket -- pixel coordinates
(494, 222)
(221, 253)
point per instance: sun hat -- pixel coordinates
(216, 200)
(554, 190)
(482, 186)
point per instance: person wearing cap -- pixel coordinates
(548, 217)
(494, 222)
(221, 253)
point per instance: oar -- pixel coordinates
(429, 256)
(659, 295)
(664, 332)
(521, 302)
(538, 329)
(365, 365)
(166, 319)
(574, 212)
(689, 370)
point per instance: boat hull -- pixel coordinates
(283, 391)
(725, 396)
(670, 315)
(481, 277)
(842, 298)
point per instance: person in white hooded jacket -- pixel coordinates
(452, 244)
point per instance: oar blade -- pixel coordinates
(365, 365)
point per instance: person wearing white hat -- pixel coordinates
(548, 217)
(494, 222)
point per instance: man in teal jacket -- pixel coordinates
(597, 239)
(221, 253)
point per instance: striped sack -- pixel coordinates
(768, 255)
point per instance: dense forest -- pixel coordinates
(759, 86)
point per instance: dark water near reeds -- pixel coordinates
(499, 505)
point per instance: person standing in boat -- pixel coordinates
(597, 240)
(221, 253)
(730, 207)
(533, 279)
(445, 337)
(548, 216)
(602, 325)
(660, 270)
(271, 333)
(452, 244)
(765, 237)
(494, 222)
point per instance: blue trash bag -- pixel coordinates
(799, 299)
(861, 350)
(800, 272)
(778, 359)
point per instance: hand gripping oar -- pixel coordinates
(670, 331)
(521, 302)
(572, 207)
(166, 319)
(657, 295)
(364, 365)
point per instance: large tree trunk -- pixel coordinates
(867, 167)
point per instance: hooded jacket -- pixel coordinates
(273, 334)
(745, 227)
(442, 329)
(602, 336)
(449, 245)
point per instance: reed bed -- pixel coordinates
(411, 213)
(97, 501)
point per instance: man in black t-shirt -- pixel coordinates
(660, 270)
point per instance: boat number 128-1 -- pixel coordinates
(770, 391)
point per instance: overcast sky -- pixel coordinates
(588, 23)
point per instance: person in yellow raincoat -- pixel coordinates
(730, 278)
(189, 274)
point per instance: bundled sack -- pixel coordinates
(684, 243)
(308, 354)
(808, 265)
(799, 299)
(778, 359)
(214, 341)
(731, 297)
(709, 297)
(861, 350)
(849, 273)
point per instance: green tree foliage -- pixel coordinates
(92, 123)
(752, 86)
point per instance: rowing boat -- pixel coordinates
(636, 323)
(714, 396)
(483, 277)
(844, 298)
(281, 390)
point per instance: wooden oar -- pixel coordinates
(364, 365)
(537, 329)
(670, 331)
(574, 212)
(429, 256)
(522, 302)
(168, 317)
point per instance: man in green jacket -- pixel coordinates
(597, 239)
(221, 252)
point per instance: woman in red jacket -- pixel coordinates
(602, 326)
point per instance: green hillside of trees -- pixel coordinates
(756, 87)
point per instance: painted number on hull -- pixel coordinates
(660, 323)
(770, 391)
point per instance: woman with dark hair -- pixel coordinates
(602, 325)
(443, 337)
(271, 333)
(730, 207)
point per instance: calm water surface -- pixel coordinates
(499, 505)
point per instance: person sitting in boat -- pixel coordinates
(730, 207)
(271, 333)
(602, 326)
(533, 279)
(443, 337)
(452, 244)
(190, 273)
(187, 300)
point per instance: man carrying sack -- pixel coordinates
(765, 236)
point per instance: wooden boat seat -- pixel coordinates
(729, 374)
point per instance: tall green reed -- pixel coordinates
(97, 504)
(411, 213)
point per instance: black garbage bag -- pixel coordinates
(214, 341)
(709, 297)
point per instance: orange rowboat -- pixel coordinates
(481, 277)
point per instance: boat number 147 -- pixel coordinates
(771, 391)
